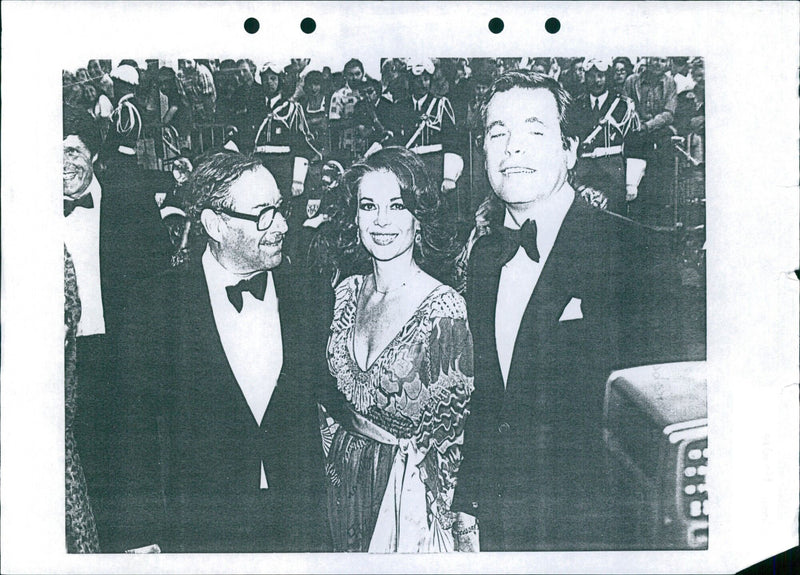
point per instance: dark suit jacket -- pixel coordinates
(533, 466)
(191, 450)
(134, 243)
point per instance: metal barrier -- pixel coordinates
(161, 144)
(205, 137)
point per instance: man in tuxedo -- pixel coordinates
(556, 299)
(114, 233)
(221, 449)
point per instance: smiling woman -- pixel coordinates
(434, 245)
(401, 352)
(386, 228)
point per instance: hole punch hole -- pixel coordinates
(308, 25)
(552, 25)
(496, 25)
(251, 25)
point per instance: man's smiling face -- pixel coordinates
(525, 156)
(78, 167)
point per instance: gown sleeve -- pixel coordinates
(449, 368)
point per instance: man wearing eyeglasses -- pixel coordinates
(221, 452)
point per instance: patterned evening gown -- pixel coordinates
(80, 525)
(397, 452)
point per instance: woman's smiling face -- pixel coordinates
(385, 225)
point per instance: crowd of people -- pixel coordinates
(332, 327)
(286, 111)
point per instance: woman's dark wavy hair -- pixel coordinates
(437, 246)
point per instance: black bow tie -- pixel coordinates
(85, 201)
(256, 285)
(525, 237)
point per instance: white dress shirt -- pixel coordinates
(82, 237)
(598, 101)
(519, 276)
(419, 103)
(251, 338)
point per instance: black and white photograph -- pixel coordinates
(349, 294)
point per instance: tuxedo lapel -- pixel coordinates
(558, 282)
(203, 362)
(483, 281)
(283, 397)
(283, 291)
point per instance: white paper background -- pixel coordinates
(751, 52)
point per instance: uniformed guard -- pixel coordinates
(283, 138)
(605, 117)
(430, 126)
(126, 121)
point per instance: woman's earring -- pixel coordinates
(418, 238)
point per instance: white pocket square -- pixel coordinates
(572, 311)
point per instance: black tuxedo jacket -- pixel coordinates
(533, 466)
(191, 452)
(134, 243)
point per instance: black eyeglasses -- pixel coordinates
(263, 219)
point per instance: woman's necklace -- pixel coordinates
(394, 289)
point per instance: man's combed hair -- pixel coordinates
(81, 124)
(495, 209)
(533, 81)
(211, 181)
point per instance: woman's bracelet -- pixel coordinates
(471, 529)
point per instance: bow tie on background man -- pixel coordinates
(525, 237)
(256, 285)
(85, 201)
